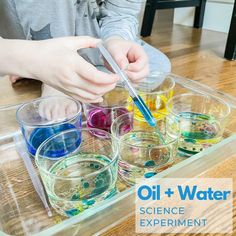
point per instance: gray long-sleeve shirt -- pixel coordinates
(44, 19)
(33, 19)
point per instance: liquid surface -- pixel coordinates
(102, 118)
(141, 156)
(91, 183)
(144, 110)
(198, 131)
(156, 104)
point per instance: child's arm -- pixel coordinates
(57, 63)
(120, 18)
(119, 28)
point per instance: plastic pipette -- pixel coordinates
(21, 149)
(136, 98)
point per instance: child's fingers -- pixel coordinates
(95, 89)
(58, 111)
(70, 110)
(80, 42)
(84, 100)
(84, 94)
(48, 112)
(86, 85)
(137, 76)
(41, 110)
(90, 73)
(121, 60)
(44, 110)
(138, 65)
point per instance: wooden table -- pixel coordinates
(153, 5)
(20, 92)
(26, 90)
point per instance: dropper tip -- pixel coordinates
(152, 122)
(49, 212)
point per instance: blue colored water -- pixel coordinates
(145, 111)
(148, 115)
(39, 135)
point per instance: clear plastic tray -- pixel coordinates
(22, 213)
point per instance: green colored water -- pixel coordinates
(82, 180)
(198, 132)
(143, 155)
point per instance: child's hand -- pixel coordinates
(55, 109)
(57, 63)
(130, 57)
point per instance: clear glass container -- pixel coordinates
(41, 118)
(144, 151)
(84, 174)
(101, 115)
(155, 91)
(202, 120)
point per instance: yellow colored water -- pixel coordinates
(156, 104)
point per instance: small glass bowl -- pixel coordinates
(84, 176)
(41, 118)
(155, 91)
(202, 120)
(101, 115)
(143, 152)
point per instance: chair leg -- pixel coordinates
(230, 50)
(199, 14)
(148, 18)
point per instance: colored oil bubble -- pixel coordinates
(82, 193)
(141, 156)
(84, 176)
(198, 131)
(141, 148)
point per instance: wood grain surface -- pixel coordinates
(19, 92)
